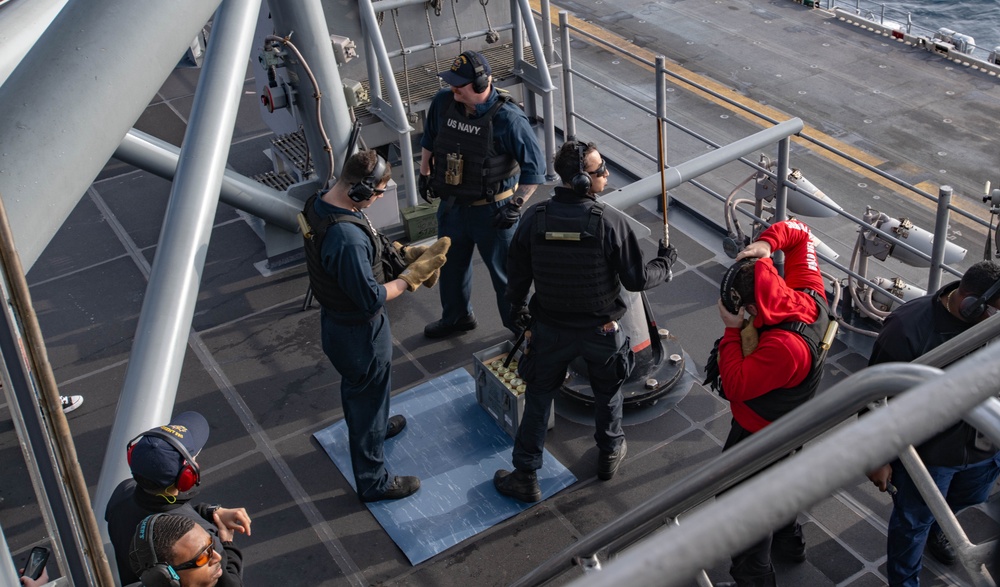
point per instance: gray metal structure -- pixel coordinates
(150, 387)
(156, 37)
(739, 518)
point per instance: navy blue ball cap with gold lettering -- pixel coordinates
(463, 70)
(155, 460)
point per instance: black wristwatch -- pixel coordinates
(210, 511)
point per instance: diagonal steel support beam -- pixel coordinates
(161, 336)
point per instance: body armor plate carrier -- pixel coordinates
(569, 265)
(483, 169)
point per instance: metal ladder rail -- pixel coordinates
(805, 423)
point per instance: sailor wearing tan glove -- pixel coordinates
(352, 271)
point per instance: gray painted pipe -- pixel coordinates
(160, 158)
(649, 187)
(745, 514)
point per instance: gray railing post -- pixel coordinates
(548, 98)
(567, 66)
(940, 238)
(781, 197)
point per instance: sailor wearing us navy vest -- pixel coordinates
(579, 254)
(480, 156)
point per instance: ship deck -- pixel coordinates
(256, 370)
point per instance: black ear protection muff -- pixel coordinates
(190, 474)
(481, 81)
(972, 307)
(581, 182)
(365, 189)
(155, 573)
(731, 298)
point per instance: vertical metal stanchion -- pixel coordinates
(940, 238)
(781, 197)
(567, 67)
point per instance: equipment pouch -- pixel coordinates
(453, 174)
(392, 260)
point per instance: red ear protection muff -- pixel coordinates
(190, 474)
(972, 307)
(481, 81)
(365, 189)
(581, 182)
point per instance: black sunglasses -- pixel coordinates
(601, 169)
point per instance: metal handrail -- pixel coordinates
(740, 517)
(663, 74)
(803, 424)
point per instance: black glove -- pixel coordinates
(424, 188)
(507, 216)
(668, 252)
(520, 317)
(713, 377)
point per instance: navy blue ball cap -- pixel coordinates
(463, 70)
(155, 460)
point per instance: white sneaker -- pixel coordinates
(71, 402)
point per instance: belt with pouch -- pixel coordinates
(499, 197)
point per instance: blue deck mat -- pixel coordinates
(453, 445)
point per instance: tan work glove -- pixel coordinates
(410, 253)
(427, 267)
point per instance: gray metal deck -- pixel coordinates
(255, 368)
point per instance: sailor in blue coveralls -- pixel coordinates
(345, 257)
(480, 156)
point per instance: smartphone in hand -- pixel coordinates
(37, 559)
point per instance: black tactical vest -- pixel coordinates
(771, 405)
(483, 169)
(324, 285)
(569, 265)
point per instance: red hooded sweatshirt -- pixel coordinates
(782, 358)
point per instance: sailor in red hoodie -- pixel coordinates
(772, 363)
